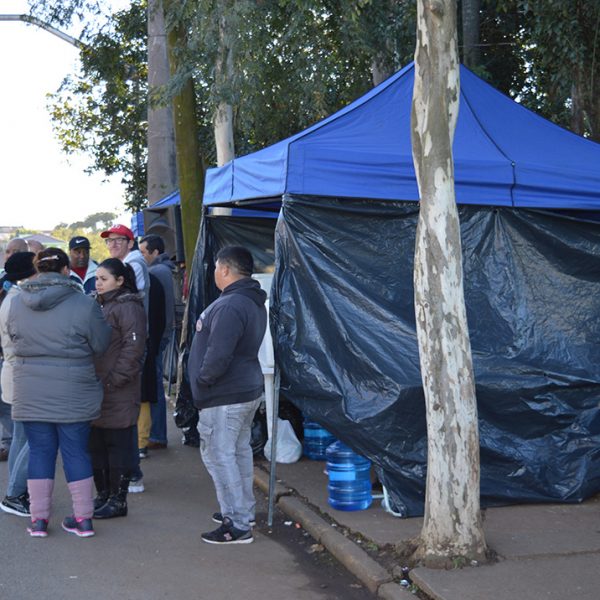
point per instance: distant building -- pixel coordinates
(47, 240)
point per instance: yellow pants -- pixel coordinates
(144, 423)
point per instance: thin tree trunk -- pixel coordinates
(470, 28)
(452, 526)
(379, 72)
(223, 118)
(189, 161)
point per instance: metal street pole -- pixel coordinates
(43, 25)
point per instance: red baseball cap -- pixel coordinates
(119, 230)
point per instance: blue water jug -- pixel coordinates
(316, 440)
(349, 478)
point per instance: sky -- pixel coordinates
(40, 186)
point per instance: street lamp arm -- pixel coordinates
(49, 28)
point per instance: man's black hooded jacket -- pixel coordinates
(223, 363)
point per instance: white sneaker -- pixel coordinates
(136, 486)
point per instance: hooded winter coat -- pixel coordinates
(223, 364)
(55, 331)
(120, 367)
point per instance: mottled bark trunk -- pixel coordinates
(470, 30)
(162, 171)
(187, 148)
(577, 109)
(452, 525)
(379, 72)
(223, 118)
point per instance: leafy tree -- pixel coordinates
(561, 43)
(101, 111)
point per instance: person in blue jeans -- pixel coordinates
(19, 267)
(227, 384)
(6, 427)
(56, 331)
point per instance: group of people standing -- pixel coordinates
(79, 357)
(77, 367)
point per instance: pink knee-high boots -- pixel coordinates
(40, 498)
(82, 495)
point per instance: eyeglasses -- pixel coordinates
(112, 241)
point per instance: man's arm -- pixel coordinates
(226, 329)
(140, 280)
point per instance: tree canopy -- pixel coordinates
(297, 61)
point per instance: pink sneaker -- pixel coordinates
(38, 528)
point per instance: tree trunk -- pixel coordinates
(223, 118)
(577, 111)
(187, 149)
(379, 72)
(162, 171)
(470, 28)
(452, 526)
(223, 125)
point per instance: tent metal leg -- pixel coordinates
(273, 449)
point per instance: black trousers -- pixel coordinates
(113, 449)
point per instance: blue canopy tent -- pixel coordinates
(342, 313)
(504, 154)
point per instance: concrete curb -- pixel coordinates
(261, 479)
(375, 577)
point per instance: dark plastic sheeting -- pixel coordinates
(257, 234)
(344, 332)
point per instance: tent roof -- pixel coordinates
(169, 200)
(504, 155)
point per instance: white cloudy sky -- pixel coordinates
(39, 185)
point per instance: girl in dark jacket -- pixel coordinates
(112, 439)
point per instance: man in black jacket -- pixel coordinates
(227, 384)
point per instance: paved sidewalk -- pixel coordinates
(549, 552)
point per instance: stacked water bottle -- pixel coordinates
(349, 474)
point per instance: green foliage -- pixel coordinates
(547, 55)
(295, 61)
(102, 110)
(89, 227)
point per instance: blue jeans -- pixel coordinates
(158, 409)
(227, 455)
(18, 460)
(44, 441)
(6, 423)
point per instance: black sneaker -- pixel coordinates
(80, 527)
(218, 518)
(38, 528)
(228, 534)
(143, 453)
(16, 505)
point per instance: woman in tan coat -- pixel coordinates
(112, 438)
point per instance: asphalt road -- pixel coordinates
(156, 552)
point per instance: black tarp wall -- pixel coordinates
(344, 332)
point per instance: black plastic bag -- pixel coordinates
(259, 433)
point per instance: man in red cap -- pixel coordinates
(121, 244)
